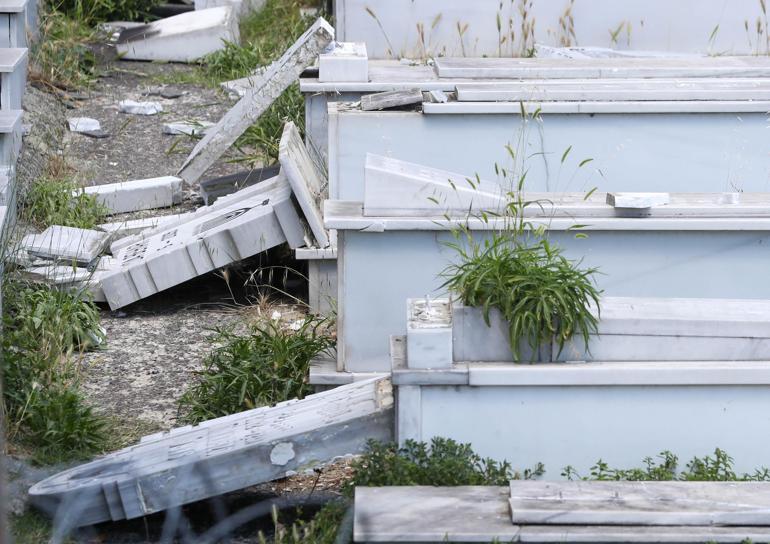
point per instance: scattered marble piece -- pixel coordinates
(139, 108)
(66, 243)
(83, 124)
(189, 128)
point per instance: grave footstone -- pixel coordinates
(66, 244)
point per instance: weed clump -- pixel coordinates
(43, 330)
(61, 57)
(269, 364)
(709, 468)
(95, 11)
(52, 201)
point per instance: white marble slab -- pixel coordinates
(181, 38)
(637, 200)
(307, 182)
(55, 274)
(185, 251)
(628, 90)
(66, 244)
(539, 68)
(140, 194)
(221, 455)
(266, 88)
(595, 107)
(640, 503)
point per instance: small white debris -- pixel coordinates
(637, 200)
(83, 124)
(296, 325)
(189, 128)
(139, 108)
(276, 315)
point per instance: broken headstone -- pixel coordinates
(181, 38)
(140, 194)
(266, 89)
(221, 455)
(307, 182)
(207, 242)
(56, 274)
(67, 244)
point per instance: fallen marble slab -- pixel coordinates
(66, 244)
(265, 90)
(121, 229)
(139, 108)
(221, 455)
(140, 194)
(307, 180)
(181, 38)
(390, 99)
(187, 128)
(179, 219)
(209, 241)
(56, 274)
(83, 124)
(212, 189)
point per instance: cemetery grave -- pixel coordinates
(636, 170)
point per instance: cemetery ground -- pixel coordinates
(154, 348)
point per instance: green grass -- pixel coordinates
(260, 45)
(50, 201)
(269, 364)
(95, 11)
(44, 332)
(61, 57)
(30, 528)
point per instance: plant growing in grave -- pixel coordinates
(269, 364)
(544, 296)
(709, 468)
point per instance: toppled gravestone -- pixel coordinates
(68, 244)
(266, 88)
(220, 455)
(209, 241)
(307, 181)
(181, 38)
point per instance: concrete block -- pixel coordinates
(66, 244)
(321, 278)
(139, 108)
(637, 200)
(390, 99)
(206, 242)
(181, 38)
(140, 194)
(221, 455)
(346, 61)
(429, 333)
(307, 182)
(265, 90)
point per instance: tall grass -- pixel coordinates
(269, 364)
(44, 331)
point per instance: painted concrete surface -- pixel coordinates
(647, 264)
(710, 26)
(643, 152)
